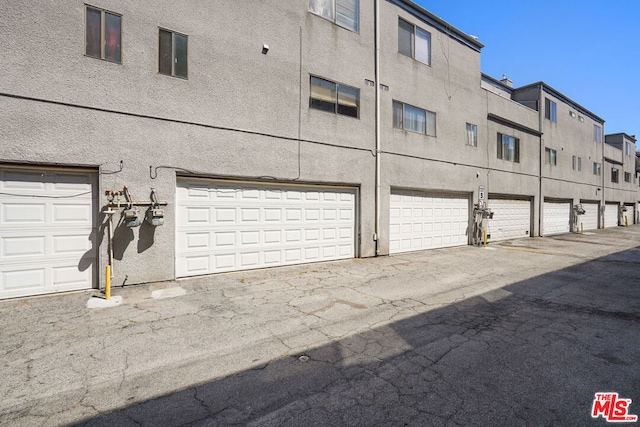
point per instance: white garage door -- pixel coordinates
(511, 219)
(239, 226)
(611, 215)
(556, 218)
(589, 220)
(425, 221)
(46, 231)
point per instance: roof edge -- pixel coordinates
(564, 98)
(438, 23)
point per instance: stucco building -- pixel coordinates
(216, 140)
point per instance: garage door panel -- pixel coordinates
(47, 231)
(611, 215)
(557, 216)
(23, 213)
(511, 219)
(70, 182)
(589, 220)
(425, 221)
(22, 180)
(69, 276)
(21, 280)
(256, 226)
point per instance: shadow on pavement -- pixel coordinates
(532, 353)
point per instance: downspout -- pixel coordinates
(541, 159)
(378, 142)
(602, 174)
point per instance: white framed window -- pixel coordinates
(341, 12)
(414, 42)
(333, 97)
(508, 148)
(103, 34)
(614, 175)
(550, 156)
(413, 119)
(597, 133)
(627, 177)
(472, 135)
(550, 108)
(172, 54)
(627, 148)
(597, 168)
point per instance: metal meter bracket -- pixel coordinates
(131, 215)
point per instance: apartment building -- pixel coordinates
(178, 141)
(620, 178)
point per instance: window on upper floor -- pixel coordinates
(414, 119)
(627, 148)
(614, 174)
(550, 109)
(472, 135)
(627, 177)
(508, 148)
(597, 133)
(172, 58)
(334, 97)
(414, 42)
(577, 163)
(550, 156)
(341, 12)
(103, 34)
(597, 168)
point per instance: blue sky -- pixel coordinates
(587, 50)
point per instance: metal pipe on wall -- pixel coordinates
(378, 142)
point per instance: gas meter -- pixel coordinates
(132, 217)
(155, 216)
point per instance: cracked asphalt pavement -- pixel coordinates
(522, 333)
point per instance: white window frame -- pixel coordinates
(615, 174)
(597, 133)
(551, 156)
(400, 112)
(318, 7)
(336, 99)
(505, 155)
(416, 34)
(597, 168)
(472, 135)
(550, 110)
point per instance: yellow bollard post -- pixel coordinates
(582, 228)
(107, 288)
(626, 221)
(484, 237)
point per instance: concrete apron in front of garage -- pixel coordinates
(323, 342)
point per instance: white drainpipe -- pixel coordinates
(378, 142)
